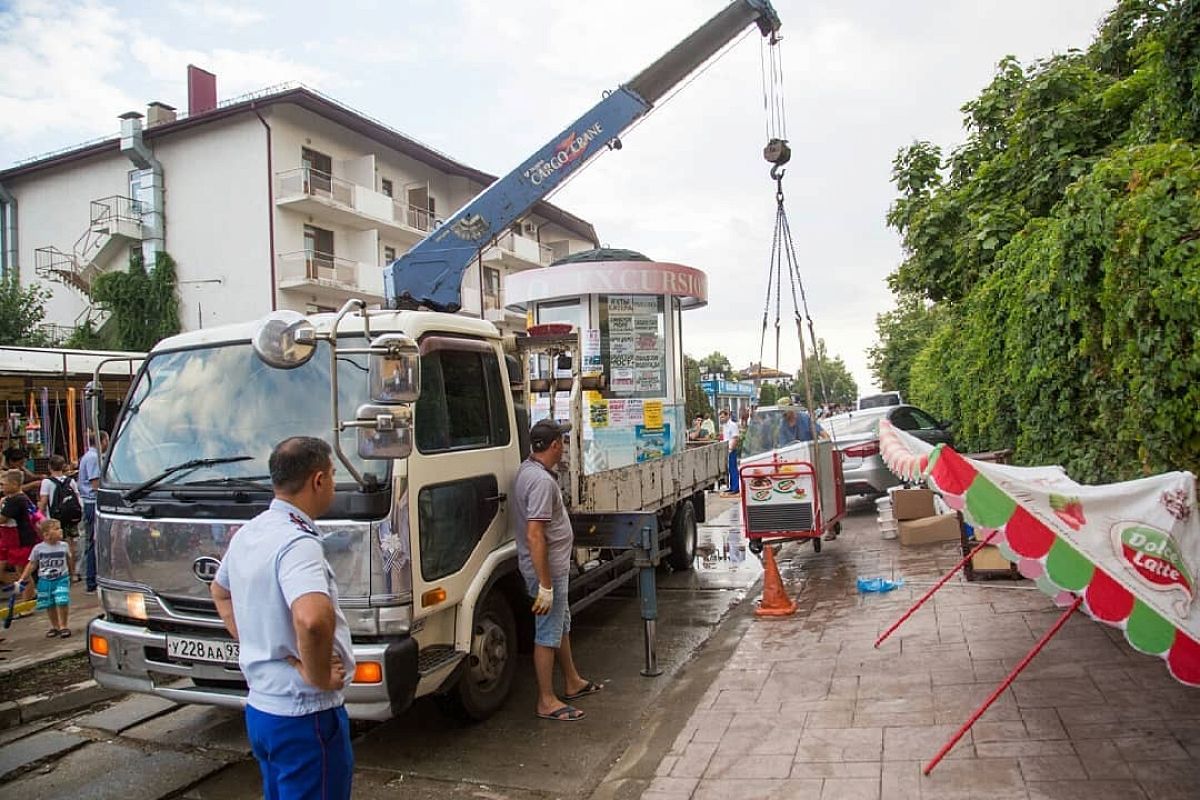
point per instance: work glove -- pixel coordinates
(544, 600)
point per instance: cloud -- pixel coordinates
(61, 65)
(75, 67)
(218, 13)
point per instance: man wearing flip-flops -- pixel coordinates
(544, 538)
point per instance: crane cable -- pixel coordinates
(783, 247)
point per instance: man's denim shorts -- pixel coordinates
(548, 629)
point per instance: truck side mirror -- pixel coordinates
(384, 432)
(285, 340)
(395, 369)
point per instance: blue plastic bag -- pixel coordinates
(866, 585)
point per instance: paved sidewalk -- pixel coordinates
(26, 640)
(807, 708)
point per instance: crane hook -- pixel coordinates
(777, 172)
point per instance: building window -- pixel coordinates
(385, 186)
(318, 171)
(318, 248)
(491, 288)
(313, 308)
(389, 255)
(421, 208)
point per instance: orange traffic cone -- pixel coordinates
(775, 601)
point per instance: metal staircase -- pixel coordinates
(115, 223)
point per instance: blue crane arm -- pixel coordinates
(430, 274)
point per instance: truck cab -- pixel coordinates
(408, 539)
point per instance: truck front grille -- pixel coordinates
(189, 605)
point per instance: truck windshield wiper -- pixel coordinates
(247, 482)
(141, 489)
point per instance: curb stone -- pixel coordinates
(27, 709)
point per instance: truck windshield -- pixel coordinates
(217, 402)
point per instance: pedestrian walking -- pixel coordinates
(544, 538)
(277, 596)
(59, 499)
(88, 483)
(49, 558)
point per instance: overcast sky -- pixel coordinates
(489, 81)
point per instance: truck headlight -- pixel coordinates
(124, 604)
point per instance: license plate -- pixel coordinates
(188, 649)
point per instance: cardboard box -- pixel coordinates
(989, 559)
(912, 504)
(942, 528)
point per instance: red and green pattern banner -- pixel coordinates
(1060, 569)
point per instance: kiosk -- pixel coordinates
(630, 312)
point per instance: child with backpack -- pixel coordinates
(59, 499)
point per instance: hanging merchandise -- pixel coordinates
(47, 432)
(72, 432)
(33, 427)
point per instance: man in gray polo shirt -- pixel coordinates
(544, 538)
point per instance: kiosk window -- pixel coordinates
(633, 345)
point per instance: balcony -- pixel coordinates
(329, 198)
(328, 277)
(518, 252)
(414, 218)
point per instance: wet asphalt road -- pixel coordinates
(141, 747)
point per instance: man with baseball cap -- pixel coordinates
(542, 531)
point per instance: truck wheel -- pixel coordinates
(488, 672)
(683, 537)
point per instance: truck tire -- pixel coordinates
(683, 537)
(488, 670)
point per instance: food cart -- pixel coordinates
(792, 490)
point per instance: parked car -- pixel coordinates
(856, 435)
(880, 400)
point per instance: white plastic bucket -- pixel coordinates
(884, 504)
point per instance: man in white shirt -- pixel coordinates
(278, 598)
(88, 481)
(731, 435)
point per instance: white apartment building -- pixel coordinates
(283, 199)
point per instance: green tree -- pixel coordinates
(143, 305)
(831, 380)
(716, 363)
(22, 312)
(696, 399)
(902, 332)
(1060, 244)
(767, 394)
